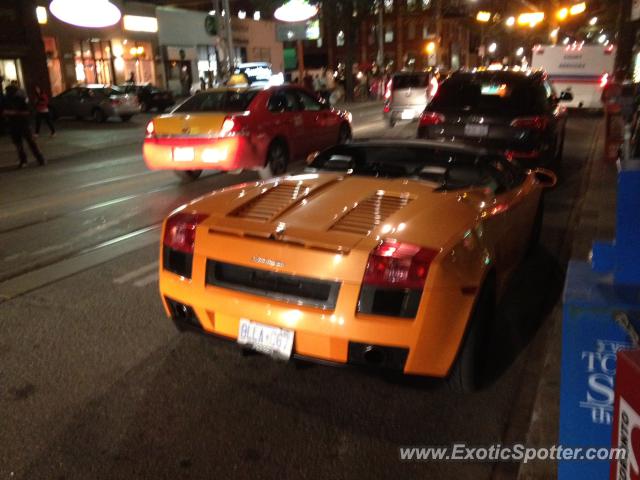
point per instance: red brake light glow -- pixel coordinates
(431, 118)
(387, 93)
(180, 231)
(531, 123)
(604, 80)
(398, 265)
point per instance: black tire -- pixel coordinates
(536, 230)
(125, 118)
(188, 175)
(558, 157)
(277, 158)
(99, 116)
(144, 107)
(466, 373)
(391, 122)
(345, 134)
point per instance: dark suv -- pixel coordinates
(515, 112)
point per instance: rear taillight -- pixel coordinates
(433, 87)
(151, 129)
(431, 118)
(604, 80)
(531, 123)
(233, 126)
(398, 265)
(386, 108)
(180, 231)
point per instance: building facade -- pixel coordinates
(22, 52)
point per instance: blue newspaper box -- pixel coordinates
(590, 339)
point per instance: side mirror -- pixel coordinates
(566, 96)
(545, 177)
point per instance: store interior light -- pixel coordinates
(242, 14)
(87, 13)
(296, 11)
(483, 16)
(578, 8)
(256, 15)
(41, 15)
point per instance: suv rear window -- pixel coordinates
(218, 102)
(487, 95)
(410, 81)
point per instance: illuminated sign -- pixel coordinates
(88, 13)
(135, 23)
(295, 11)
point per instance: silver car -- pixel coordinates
(407, 95)
(98, 102)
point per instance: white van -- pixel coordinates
(581, 69)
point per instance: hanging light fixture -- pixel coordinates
(86, 13)
(296, 11)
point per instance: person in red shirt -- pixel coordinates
(41, 103)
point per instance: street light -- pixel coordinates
(593, 21)
(578, 8)
(88, 13)
(493, 47)
(510, 22)
(430, 48)
(483, 17)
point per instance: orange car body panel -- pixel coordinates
(473, 231)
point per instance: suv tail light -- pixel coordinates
(398, 265)
(394, 279)
(531, 123)
(180, 231)
(431, 118)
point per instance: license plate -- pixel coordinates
(472, 130)
(183, 154)
(408, 114)
(265, 339)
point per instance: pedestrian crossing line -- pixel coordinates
(143, 282)
(127, 277)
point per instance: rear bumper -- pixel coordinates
(125, 110)
(397, 112)
(424, 346)
(230, 153)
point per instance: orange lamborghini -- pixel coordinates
(383, 254)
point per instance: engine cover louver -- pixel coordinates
(271, 203)
(370, 213)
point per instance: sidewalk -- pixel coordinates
(595, 220)
(74, 137)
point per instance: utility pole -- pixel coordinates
(380, 57)
(227, 17)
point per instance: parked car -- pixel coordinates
(99, 102)
(517, 113)
(150, 97)
(387, 254)
(407, 95)
(243, 128)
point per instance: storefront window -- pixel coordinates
(53, 65)
(138, 64)
(11, 71)
(94, 61)
(207, 65)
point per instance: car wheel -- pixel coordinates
(188, 175)
(277, 158)
(345, 134)
(99, 116)
(466, 373)
(144, 107)
(392, 122)
(536, 230)
(125, 118)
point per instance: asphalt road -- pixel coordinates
(96, 383)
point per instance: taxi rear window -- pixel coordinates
(217, 102)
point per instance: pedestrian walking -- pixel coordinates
(42, 111)
(16, 112)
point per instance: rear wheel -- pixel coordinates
(345, 134)
(466, 373)
(126, 118)
(277, 158)
(99, 116)
(188, 175)
(144, 107)
(391, 122)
